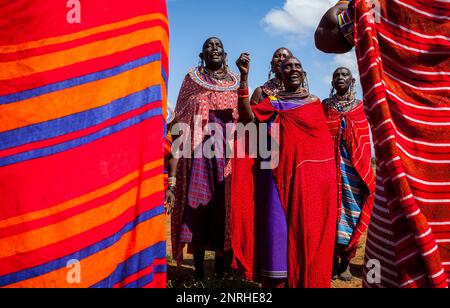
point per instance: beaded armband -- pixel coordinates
(243, 93)
(347, 26)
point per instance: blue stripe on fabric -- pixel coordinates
(353, 182)
(39, 153)
(165, 76)
(350, 201)
(16, 97)
(350, 196)
(134, 264)
(159, 269)
(79, 121)
(79, 255)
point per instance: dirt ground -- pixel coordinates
(182, 277)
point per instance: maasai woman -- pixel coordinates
(244, 182)
(356, 181)
(298, 205)
(201, 213)
(274, 84)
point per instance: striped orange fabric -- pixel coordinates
(81, 144)
(404, 61)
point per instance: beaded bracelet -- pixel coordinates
(172, 182)
(343, 2)
(243, 93)
(347, 26)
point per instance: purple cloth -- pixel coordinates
(273, 224)
(273, 228)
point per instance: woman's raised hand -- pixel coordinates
(243, 63)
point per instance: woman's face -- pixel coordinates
(213, 53)
(342, 80)
(292, 74)
(278, 57)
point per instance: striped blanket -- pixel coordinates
(351, 198)
(404, 62)
(81, 155)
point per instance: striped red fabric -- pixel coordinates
(81, 134)
(404, 62)
(357, 139)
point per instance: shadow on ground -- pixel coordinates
(182, 277)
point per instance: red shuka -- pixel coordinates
(357, 140)
(404, 63)
(306, 181)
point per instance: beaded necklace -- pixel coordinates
(341, 104)
(300, 93)
(272, 87)
(219, 75)
(222, 85)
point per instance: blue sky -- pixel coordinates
(255, 26)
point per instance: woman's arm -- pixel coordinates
(329, 37)
(172, 165)
(244, 107)
(257, 96)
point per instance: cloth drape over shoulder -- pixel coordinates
(306, 181)
(357, 140)
(199, 95)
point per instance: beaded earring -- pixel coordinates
(305, 83)
(201, 65)
(225, 65)
(332, 91)
(270, 72)
(353, 91)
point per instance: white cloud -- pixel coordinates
(347, 60)
(343, 60)
(297, 17)
(296, 21)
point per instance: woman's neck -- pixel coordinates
(344, 96)
(218, 74)
(293, 89)
(294, 92)
(342, 93)
(214, 68)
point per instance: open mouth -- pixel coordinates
(216, 55)
(295, 77)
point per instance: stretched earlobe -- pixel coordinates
(201, 61)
